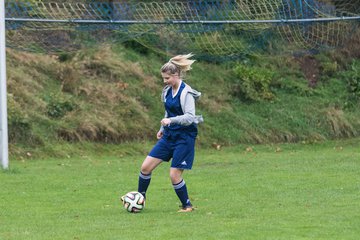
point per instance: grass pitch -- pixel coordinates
(302, 191)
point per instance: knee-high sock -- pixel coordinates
(181, 192)
(144, 182)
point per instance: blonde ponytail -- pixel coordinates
(183, 61)
(178, 64)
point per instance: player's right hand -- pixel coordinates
(159, 134)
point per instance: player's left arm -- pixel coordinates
(189, 112)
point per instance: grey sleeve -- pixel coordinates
(162, 127)
(189, 113)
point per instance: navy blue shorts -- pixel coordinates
(179, 146)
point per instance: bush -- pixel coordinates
(57, 107)
(253, 83)
(352, 78)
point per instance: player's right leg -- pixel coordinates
(161, 152)
(149, 164)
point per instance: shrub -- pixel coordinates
(352, 78)
(253, 83)
(57, 106)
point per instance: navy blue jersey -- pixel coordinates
(173, 109)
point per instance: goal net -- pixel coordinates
(211, 28)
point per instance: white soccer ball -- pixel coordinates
(133, 202)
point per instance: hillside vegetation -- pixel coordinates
(111, 94)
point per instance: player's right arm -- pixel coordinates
(161, 131)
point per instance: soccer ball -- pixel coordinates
(133, 202)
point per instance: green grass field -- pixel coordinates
(288, 191)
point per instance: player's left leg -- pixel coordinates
(183, 158)
(180, 189)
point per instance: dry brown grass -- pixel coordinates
(116, 100)
(339, 124)
(108, 108)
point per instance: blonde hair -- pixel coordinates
(178, 65)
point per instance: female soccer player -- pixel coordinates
(178, 131)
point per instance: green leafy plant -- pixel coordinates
(253, 83)
(352, 78)
(57, 106)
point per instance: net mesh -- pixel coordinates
(228, 28)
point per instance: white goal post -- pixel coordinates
(4, 145)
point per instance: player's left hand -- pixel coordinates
(165, 121)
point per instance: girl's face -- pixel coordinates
(170, 79)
